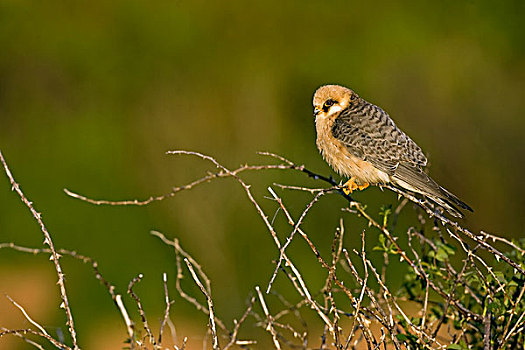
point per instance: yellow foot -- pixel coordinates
(363, 186)
(351, 186)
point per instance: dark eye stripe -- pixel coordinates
(328, 104)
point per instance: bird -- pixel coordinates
(360, 141)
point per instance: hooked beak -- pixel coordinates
(316, 111)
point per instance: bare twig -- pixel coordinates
(24, 338)
(290, 237)
(501, 239)
(27, 316)
(511, 316)
(22, 332)
(478, 239)
(175, 190)
(168, 305)
(487, 325)
(269, 319)
(129, 324)
(363, 283)
(431, 274)
(140, 308)
(85, 259)
(237, 325)
(178, 253)
(206, 292)
(54, 255)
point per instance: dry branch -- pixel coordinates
(54, 255)
(458, 305)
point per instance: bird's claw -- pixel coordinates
(351, 186)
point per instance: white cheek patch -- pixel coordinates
(334, 109)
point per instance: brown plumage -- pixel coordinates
(359, 140)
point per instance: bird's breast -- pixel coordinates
(341, 160)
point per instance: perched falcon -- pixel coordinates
(360, 141)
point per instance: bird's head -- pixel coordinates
(330, 99)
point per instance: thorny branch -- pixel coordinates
(211, 313)
(373, 315)
(23, 332)
(198, 276)
(141, 309)
(54, 255)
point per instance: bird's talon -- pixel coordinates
(363, 186)
(350, 186)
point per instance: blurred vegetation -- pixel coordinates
(93, 94)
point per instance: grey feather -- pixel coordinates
(370, 134)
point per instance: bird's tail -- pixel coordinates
(450, 202)
(414, 179)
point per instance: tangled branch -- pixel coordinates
(464, 300)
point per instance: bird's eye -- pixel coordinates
(327, 105)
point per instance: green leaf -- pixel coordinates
(382, 244)
(500, 276)
(451, 250)
(385, 211)
(441, 254)
(401, 337)
(382, 239)
(455, 347)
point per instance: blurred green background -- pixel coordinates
(92, 95)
